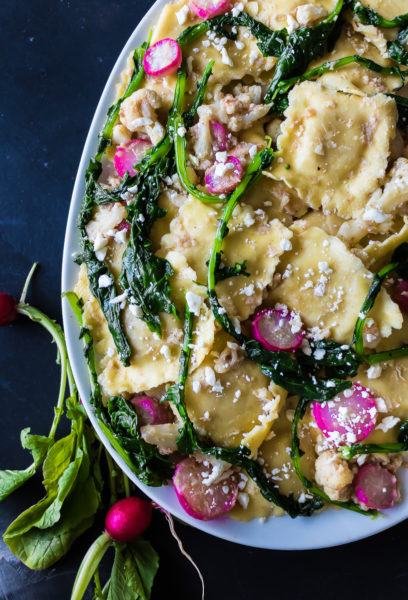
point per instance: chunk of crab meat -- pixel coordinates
(349, 417)
(400, 294)
(375, 487)
(150, 411)
(202, 497)
(138, 114)
(128, 155)
(162, 58)
(278, 329)
(220, 136)
(205, 9)
(223, 177)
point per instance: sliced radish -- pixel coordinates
(375, 487)
(124, 225)
(162, 58)
(400, 294)
(205, 9)
(201, 501)
(220, 136)
(223, 177)
(130, 154)
(278, 329)
(349, 417)
(150, 411)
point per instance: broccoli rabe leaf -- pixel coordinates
(368, 16)
(224, 271)
(302, 47)
(148, 464)
(144, 275)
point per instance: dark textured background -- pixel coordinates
(55, 57)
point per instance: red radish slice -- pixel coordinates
(201, 501)
(150, 411)
(124, 225)
(205, 9)
(375, 487)
(400, 294)
(130, 154)
(349, 417)
(278, 329)
(162, 58)
(220, 135)
(222, 178)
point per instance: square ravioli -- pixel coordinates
(334, 147)
(327, 284)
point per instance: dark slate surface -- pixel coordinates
(55, 58)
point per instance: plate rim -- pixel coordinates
(331, 527)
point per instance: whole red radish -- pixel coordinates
(128, 518)
(8, 309)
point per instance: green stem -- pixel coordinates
(348, 452)
(58, 336)
(368, 304)
(180, 147)
(89, 565)
(27, 283)
(112, 475)
(126, 485)
(284, 86)
(98, 588)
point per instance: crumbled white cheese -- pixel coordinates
(182, 14)
(375, 214)
(119, 299)
(196, 387)
(243, 499)
(225, 57)
(238, 8)
(209, 376)
(165, 351)
(181, 131)
(194, 302)
(248, 290)
(110, 352)
(240, 45)
(381, 405)
(319, 354)
(374, 371)
(248, 220)
(105, 281)
(222, 168)
(120, 237)
(388, 423)
(221, 157)
(253, 55)
(285, 245)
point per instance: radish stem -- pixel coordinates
(89, 565)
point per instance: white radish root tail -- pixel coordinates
(170, 521)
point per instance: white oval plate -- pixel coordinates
(330, 528)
